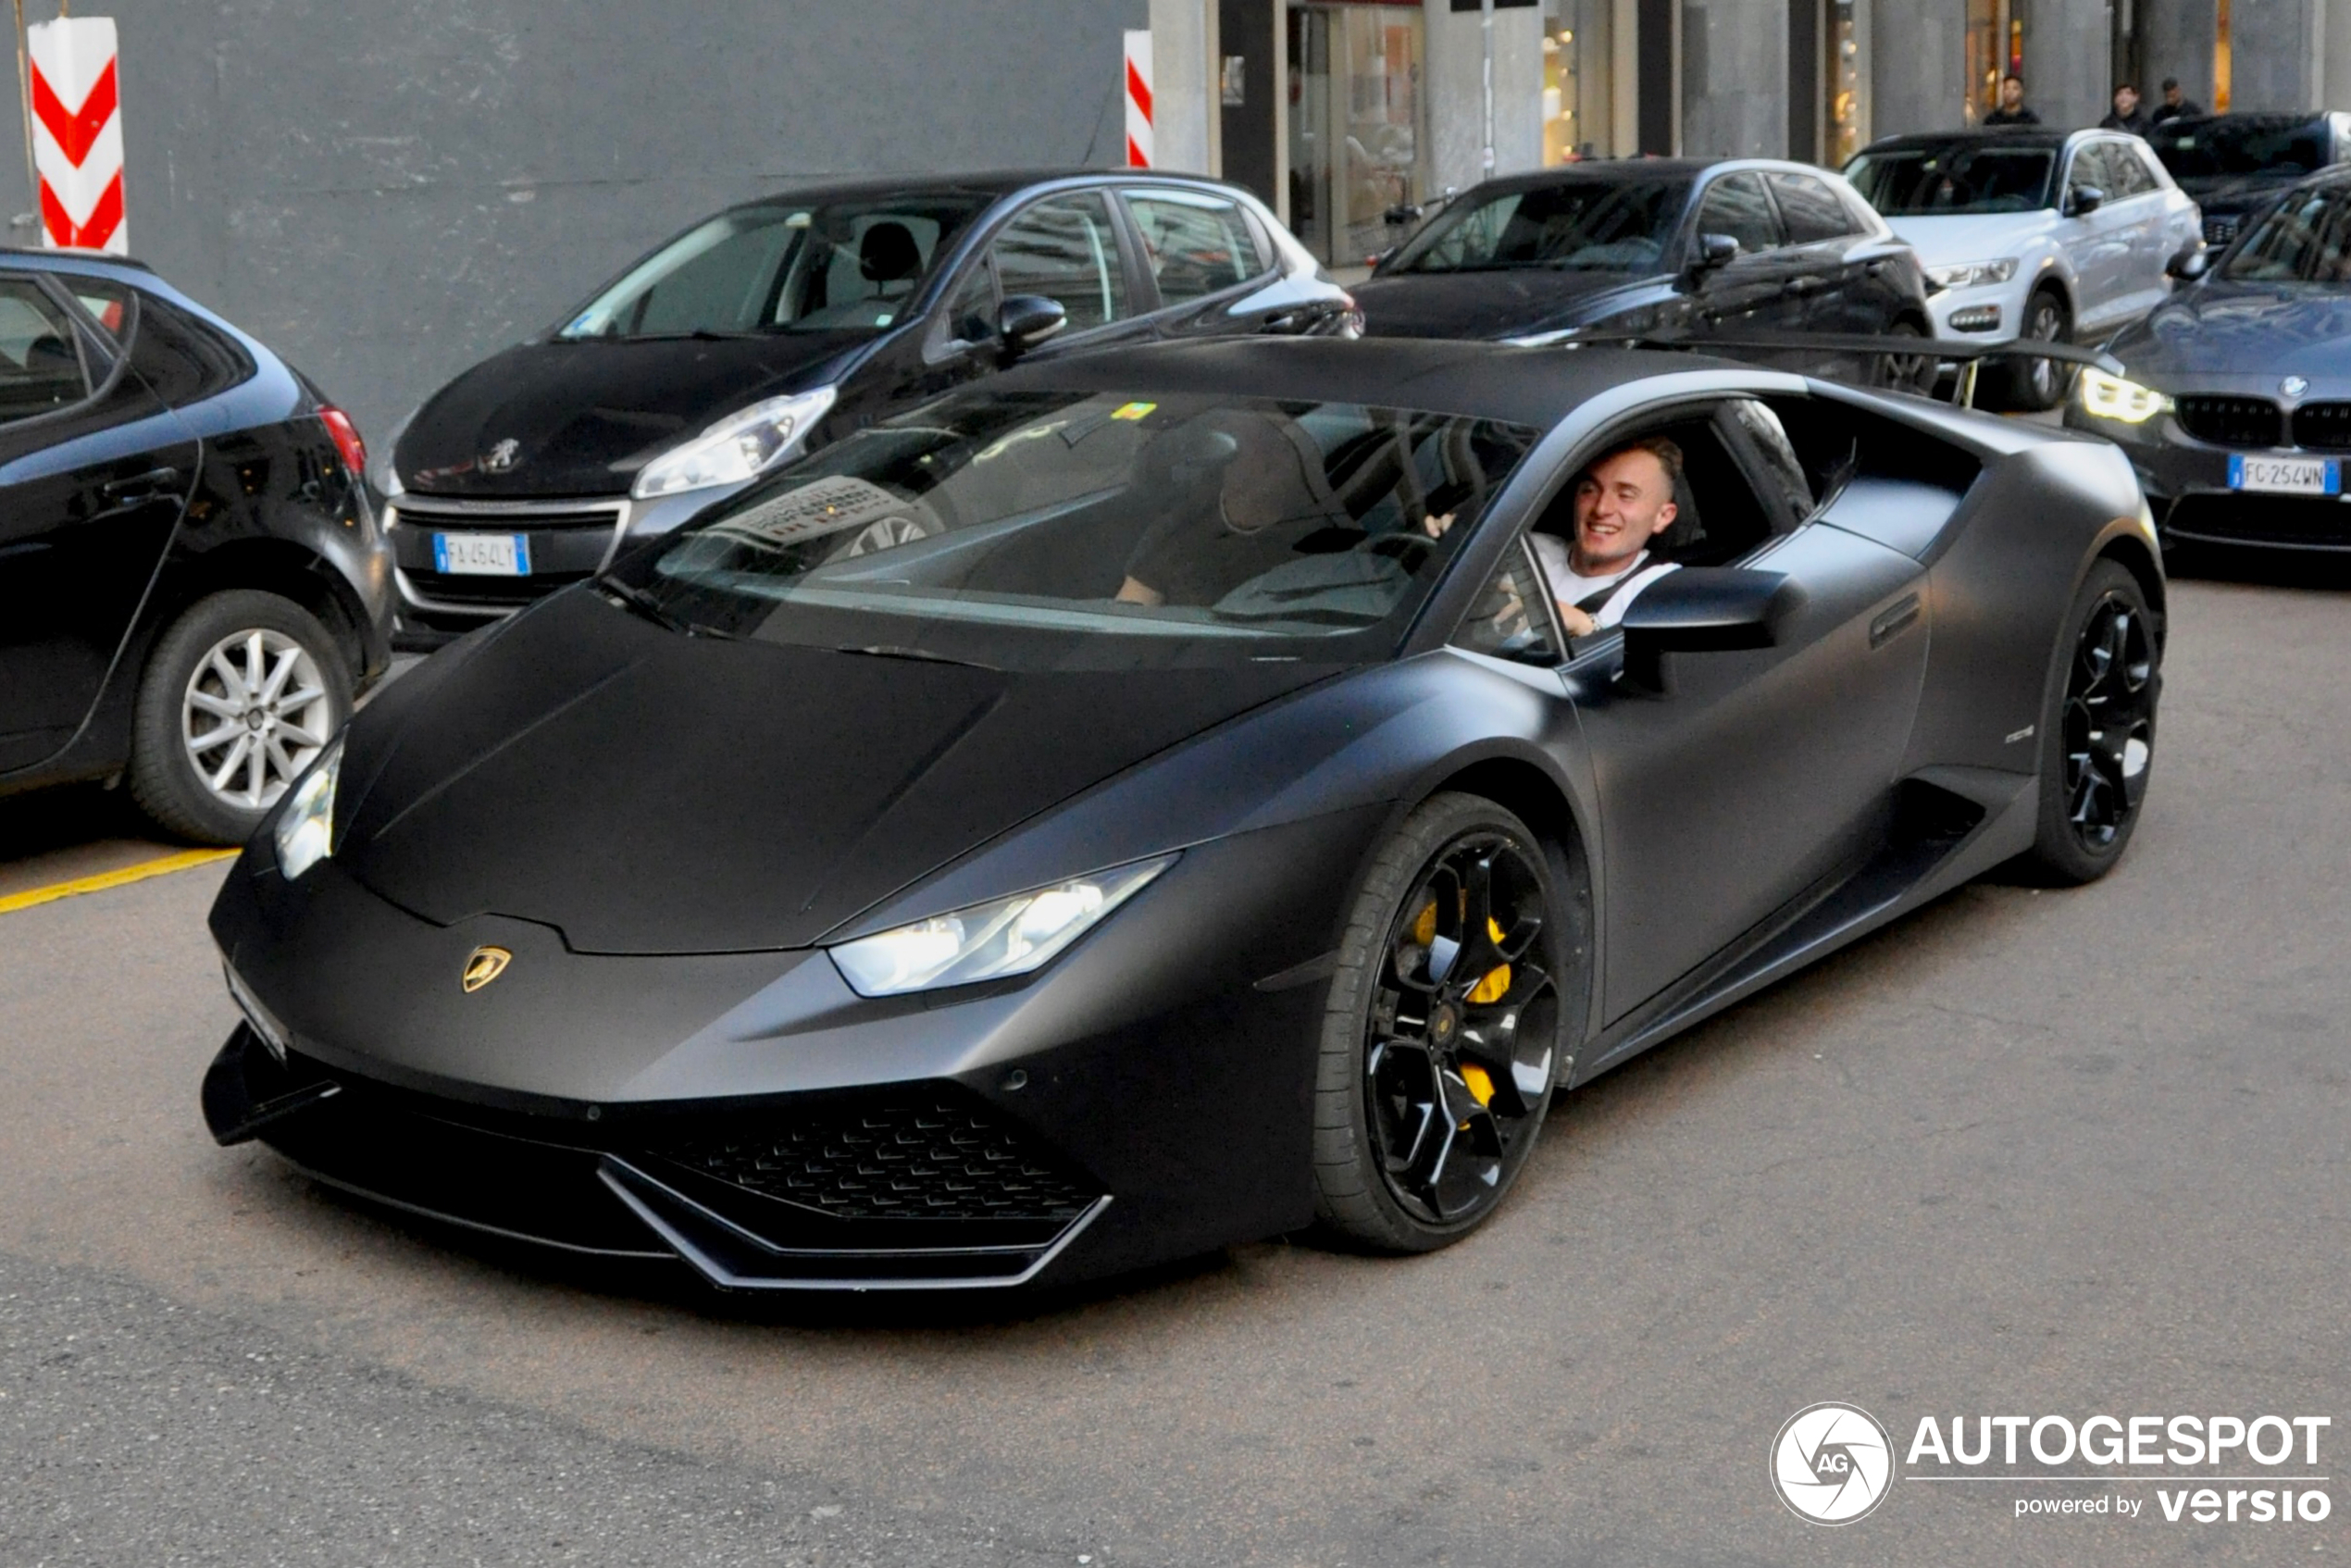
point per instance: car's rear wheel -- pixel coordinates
(2098, 728)
(1443, 1030)
(1905, 372)
(239, 696)
(2035, 385)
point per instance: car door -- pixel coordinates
(1757, 290)
(1755, 775)
(2151, 229)
(2099, 241)
(94, 472)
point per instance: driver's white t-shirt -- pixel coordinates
(1570, 587)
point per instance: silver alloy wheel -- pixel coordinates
(255, 712)
(2047, 326)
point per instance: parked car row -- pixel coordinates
(199, 585)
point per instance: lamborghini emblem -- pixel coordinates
(484, 965)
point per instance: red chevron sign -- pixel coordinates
(76, 111)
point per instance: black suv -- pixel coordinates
(193, 590)
(784, 323)
(2232, 164)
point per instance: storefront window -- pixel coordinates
(2222, 65)
(1995, 49)
(1578, 111)
(1356, 147)
(1844, 71)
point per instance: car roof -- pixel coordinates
(1988, 135)
(1615, 169)
(996, 184)
(1535, 387)
(2258, 117)
(71, 259)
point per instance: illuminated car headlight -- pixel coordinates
(306, 825)
(989, 942)
(742, 444)
(2111, 397)
(1969, 274)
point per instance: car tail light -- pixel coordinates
(347, 442)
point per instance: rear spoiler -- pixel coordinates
(1968, 356)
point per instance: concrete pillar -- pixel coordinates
(2269, 46)
(2334, 53)
(1735, 79)
(1187, 98)
(2176, 40)
(2068, 60)
(1917, 68)
(1455, 101)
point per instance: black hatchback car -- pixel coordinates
(192, 588)
(782, 324)
(2237, 165)
(1652, 245)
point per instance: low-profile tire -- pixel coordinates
(2033, 386)
(1441, 1038)
(2097, 727)
(237, 698)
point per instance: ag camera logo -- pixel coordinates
(1832, 1464)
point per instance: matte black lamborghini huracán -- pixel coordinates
(1147, 802)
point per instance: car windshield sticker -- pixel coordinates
(821, 506)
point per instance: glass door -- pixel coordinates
(1579, 110)
(1995, 49)
(1356, 141)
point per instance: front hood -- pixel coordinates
(584, 416)
(1479, 305)
(648, 792)
(2242, 328)
(1985, 236)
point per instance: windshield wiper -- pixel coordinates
(899, 651)
(629, 596)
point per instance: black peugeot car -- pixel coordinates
(1653, 244)
(192, 588)
(782, 324)
(2235, 165)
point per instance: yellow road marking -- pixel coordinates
(161, 867)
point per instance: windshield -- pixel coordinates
(2219, 150)
(1577, 226)
(1957, 177)
(851, 266)
(2306, 240)
(1080, 530)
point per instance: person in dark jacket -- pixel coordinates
(2174, 104)
(2012, 110)
(2125, 114)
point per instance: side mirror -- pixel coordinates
(2083, 200)
(2192, 263)
(1401, 214)
(1703, 609)
(1712, 251)
(1025, 321)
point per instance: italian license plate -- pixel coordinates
(481, 554)
(2286, 476)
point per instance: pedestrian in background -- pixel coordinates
(2174, 104)
(2012, 110)
(2125, 114)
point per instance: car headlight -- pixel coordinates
(2111, 397)
(989, 942)
(740, 445)
(306, 825)
(1967, 274)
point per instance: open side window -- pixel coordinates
(1876, 477)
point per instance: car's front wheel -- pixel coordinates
(2097, 727)
(1443, 1030)
(2035, 385)
(240, 694)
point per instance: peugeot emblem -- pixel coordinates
(500, 457)
(2294, 386)
(484, 965)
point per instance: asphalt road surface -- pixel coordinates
(2028, 1153)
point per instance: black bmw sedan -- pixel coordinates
(2235, 404)
(780, 325)
(192, 588)
(1654, 245)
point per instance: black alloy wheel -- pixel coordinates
(2100, 745)
(1444, 1031)
(1904, 372)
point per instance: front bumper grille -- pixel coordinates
(920, 1186)
(2323, 426)
(2220, 228)
(569, 540)
(929, 1156)
(2232, 421)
